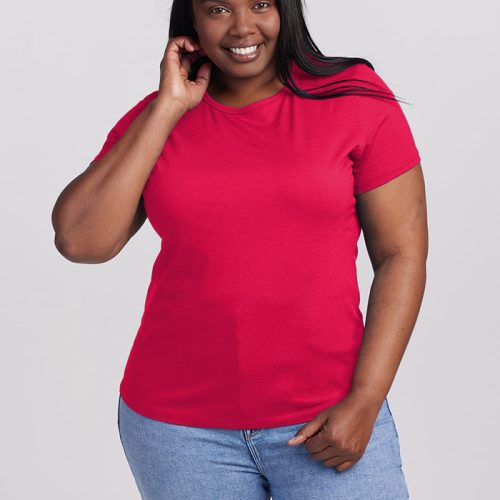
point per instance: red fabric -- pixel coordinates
(252, 315)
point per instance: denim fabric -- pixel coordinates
(176, 462)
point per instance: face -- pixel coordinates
(236, 23)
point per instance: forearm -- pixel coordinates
(393, 306)
(96, 209)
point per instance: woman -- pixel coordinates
(252, 374)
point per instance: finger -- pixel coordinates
(188, 45)
(335, 460)
(320, 441)
(191, 54)
(203, 75)
(344, 465)
(186, 63)
(185, 66)
(307, 431)
(326, 453)
(176, 48)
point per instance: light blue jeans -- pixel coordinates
(176, 462)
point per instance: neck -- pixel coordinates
(242, 88)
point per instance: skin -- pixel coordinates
(393, 216)
(100, 210)
(394, 223)
(233, 23)
(218, 24)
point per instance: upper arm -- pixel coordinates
(139, 219)
(112, 138)
(388, 178)
(137, 222)
(393, 217)
(123, 124)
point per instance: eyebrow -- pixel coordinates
(201, 2)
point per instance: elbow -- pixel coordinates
(67, 249)
(409, 257)
(78, 254)
(76, 243)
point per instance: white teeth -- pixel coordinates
(246, 50)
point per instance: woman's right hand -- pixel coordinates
(180, 52)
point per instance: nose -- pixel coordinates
(242, 25)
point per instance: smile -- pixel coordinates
(244, 53)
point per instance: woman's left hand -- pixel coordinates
(339, 435)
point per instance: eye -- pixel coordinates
(213, 9)
(210, 11)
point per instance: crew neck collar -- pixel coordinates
(248, 107)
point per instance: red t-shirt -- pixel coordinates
(252, 316)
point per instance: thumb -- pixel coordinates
(203, 75)
(307, 431)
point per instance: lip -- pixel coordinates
(244, 57)
(242, 46)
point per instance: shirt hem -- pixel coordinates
(403, 168)
(190, 420)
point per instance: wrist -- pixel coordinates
(367, 394)
(169, 106)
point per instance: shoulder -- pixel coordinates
(138, 106)
(132, 112)
(358, 74)
(149, 97)
(367, 75)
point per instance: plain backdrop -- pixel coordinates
(70, 70)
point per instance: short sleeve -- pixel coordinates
(387, 147)
(123, 123)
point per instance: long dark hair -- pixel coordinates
(294, 44)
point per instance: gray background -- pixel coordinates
(70, 70)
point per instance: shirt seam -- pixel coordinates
(259, 104)
(358, 121)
